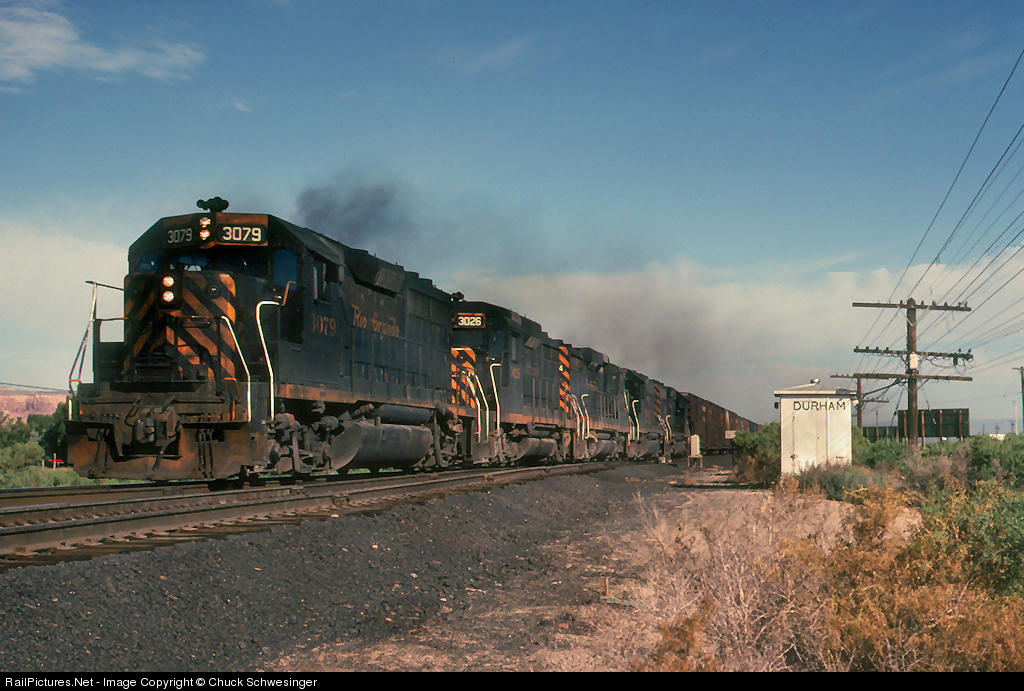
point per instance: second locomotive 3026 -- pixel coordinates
(253, 345)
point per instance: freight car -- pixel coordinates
(715, 425)
(253, 345)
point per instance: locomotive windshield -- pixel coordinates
(228, 259)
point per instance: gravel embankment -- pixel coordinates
(237, 603)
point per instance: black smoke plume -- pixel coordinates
(374, 216)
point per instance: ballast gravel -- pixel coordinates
(239, 602)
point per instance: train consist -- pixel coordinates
(255, 346)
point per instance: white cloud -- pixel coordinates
(735, 338)
(241, 105)
(34, 40)
(476, 61)
(45, 301)
(730, 339)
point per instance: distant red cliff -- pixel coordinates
(24, 402)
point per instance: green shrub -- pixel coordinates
(885, 454)
(20, 455)
(982, 529)
(13, 430)
(37, 476)
(756, 456)
(944, 598)
(24, 445)
(839, 482)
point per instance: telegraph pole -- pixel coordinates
(1021, 370)
(860, 397)
(912, 375)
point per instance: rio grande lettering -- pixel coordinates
(388, 327)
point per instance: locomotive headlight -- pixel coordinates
(168, 281)
(168, 296)
(204, 234)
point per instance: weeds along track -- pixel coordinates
(49, 525)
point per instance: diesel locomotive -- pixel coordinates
(252, 345)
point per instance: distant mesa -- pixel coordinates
(18, 402)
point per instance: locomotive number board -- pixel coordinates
(469, 320)
(223, 235)
(222, 229)
(241, 235)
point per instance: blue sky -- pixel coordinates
(709, 185)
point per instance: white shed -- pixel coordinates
(815, 421)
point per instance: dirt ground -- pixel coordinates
(598, 596)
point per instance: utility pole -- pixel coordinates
(912, 375)
(1021, 370)
(860, 397)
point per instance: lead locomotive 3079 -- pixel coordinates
(256, 346)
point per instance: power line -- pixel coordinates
(946, 198)
(29, 386)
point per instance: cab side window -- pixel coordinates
(286, 267)
(286, 275)
(321, 277)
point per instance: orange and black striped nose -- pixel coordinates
(463, 369)
(180, 318)
(564, 385)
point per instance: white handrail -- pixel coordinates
(497, 403)
(266, 355)
(84, 346)
(479, 407)
(625, 398)
(576, 414)
(487, 406)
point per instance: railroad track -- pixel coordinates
(36, 496)
(48, 527)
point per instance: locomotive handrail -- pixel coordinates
(663, 425)
(289, 284)
(629, 418)
(266, 355)
(497, 403)
(248, 377)
(84, 345)
(487, 406)
(586, 416)
(105, 285)
(80, 355)
(479, 407)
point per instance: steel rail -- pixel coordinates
(38, 496)
(31, 528)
